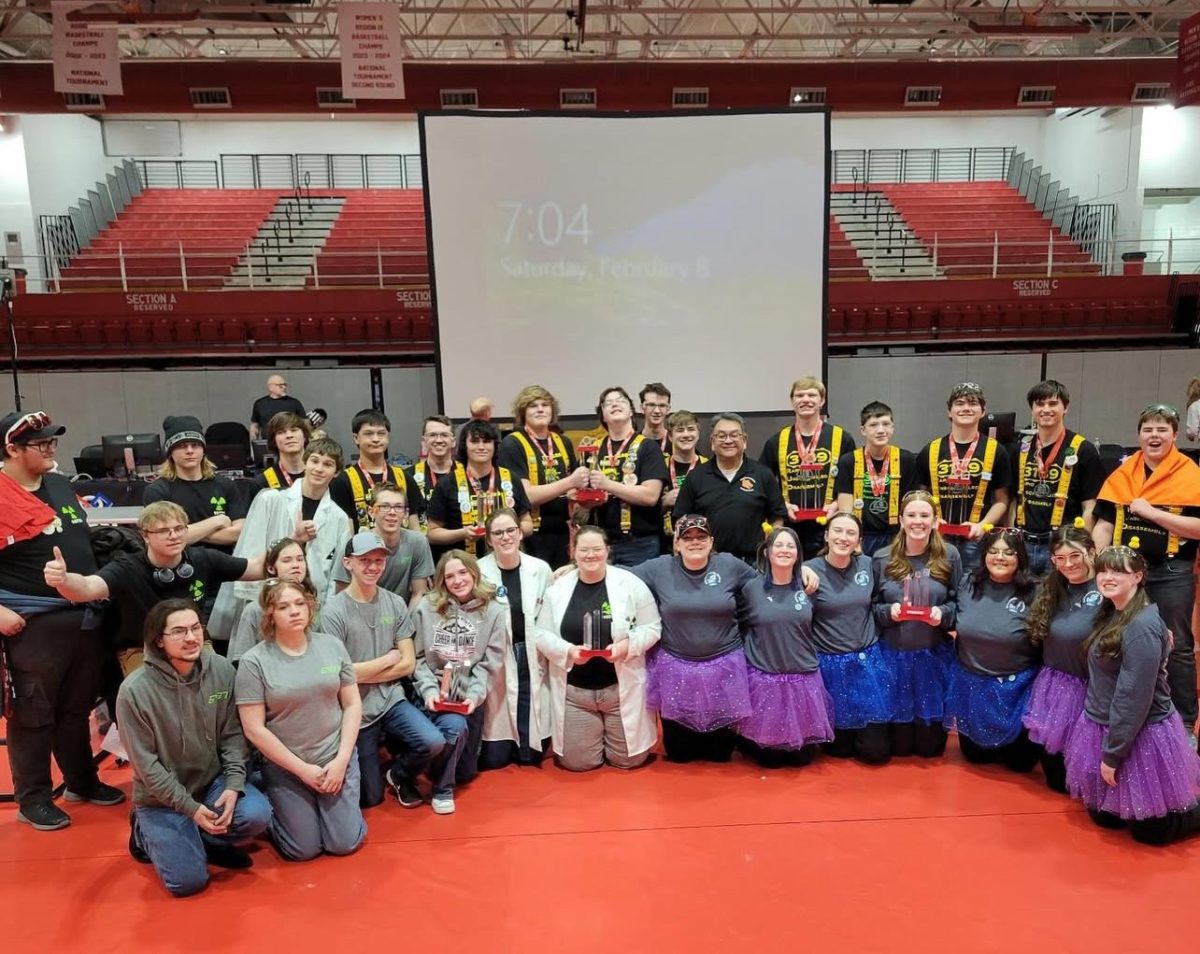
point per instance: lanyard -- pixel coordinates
(477, 483)
(878, 480)
(1043, 466)
(548, 453)
(673, 462)
(612, 457)
(806, 448)
(960, 468)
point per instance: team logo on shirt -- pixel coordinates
(218, 504)
(1090, 599)
(974, 469)
(712, 578)
(747, 484)
(331, 668)
(197, 590)
(820, 456)
(1015, 606)
(862, 578)
(76, 517)
(216, 697)
(800, 600)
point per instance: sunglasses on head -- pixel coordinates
(29, 423)
(1164, 409)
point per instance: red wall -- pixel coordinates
(289, 87)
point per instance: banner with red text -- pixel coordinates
(86, 59)
(372, 50)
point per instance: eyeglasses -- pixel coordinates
(30, 422)
(1073, 558)
(655, 406)
(727, 437)
(506, 532)
(182, 632)
(391, 508)
(1164, 409)
(44, 447)
(177, 531)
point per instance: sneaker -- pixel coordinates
(405, 789)
(227, 856)
(443, 804)
(98, 794)
(46, 816)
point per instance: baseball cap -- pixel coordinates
(364, 542)
(21, 427)
(692, 521)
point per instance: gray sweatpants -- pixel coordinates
(593, 733)
(307, 822)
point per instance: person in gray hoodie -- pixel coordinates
(180, 725)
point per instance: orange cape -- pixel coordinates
(1174, 482)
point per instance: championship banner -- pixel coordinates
(372, 50)
(86, 59)
(1187, 79)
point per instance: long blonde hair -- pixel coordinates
(901, 566)
(440, 598)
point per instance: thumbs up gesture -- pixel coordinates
(55, 570)
(306, 530)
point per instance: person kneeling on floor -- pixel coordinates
(180, 725)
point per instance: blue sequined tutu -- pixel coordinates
(987, 709)
(791, 710)
(1054, 705)
(1161, 774)
(921, 677)
(861, 685)
(701, 695)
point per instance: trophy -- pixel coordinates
(955, 510)
(812, 491)
(589, 452)
(914, 604)
(597, 636)
(450, 692)
(483, 502)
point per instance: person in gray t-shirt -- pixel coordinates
(300, 707)
(378, 632)
(409, 559)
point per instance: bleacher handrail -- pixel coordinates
(951, 164)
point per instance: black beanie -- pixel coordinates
(182, 428)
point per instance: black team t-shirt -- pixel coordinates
(619, 463)
(874, 510)
(266, 407)
(956, 502)
(511, 581)
(1041, 488)
(200, 499)
(550, 466)
(22, 563)
(596, 673)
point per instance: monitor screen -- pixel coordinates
(145, 452)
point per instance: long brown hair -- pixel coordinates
(441, 598)
(901, 566)
(1052, 594)
(1108, 632)
(1193, 391)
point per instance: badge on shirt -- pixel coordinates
(747, 484)
(712, 578)
(862, 578)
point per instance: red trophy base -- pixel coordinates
(590, 495)
(444, 705)
(479, 531)
(595, 654)
(807, 513)
(922, 613)
(955, 529)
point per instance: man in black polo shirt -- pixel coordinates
(1056, 475)
(53, 658)
(273, 402)
(136, 582)
(736, 494)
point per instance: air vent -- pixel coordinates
(807, 96)
(923, 96)
(210, 97)
(83, 100)
(1036, 96)
(1148, 93)
(695, 97)
(577, 98)
(459, 98)
(330, 97)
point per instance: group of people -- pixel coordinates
(379, 628)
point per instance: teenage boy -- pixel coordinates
(684, 432)
(1057, 474)
(410, 562)
(437, 460)
(378, 632)
(288, 433)
(968, 473)
(655, 399)
(804, 459)
(872, 479)
(352, 488)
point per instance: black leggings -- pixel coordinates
(1055, 769)
(776, 758)
(926, 740)
(1159, 831)
(682, 744)
(871, 745)
(1020, 755)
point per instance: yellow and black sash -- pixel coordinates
(360, 491)
(612, 469)
(469, 502)
(985, 477)
(835, 453)
(1064, 482)
(668, 526)
(531, 459)
(893, 497)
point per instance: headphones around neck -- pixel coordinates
(164, 575)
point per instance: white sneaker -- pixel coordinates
(443, 804)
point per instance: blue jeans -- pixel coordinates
(457, 731)
(1172, 587)
(635, 551)
(407, 725)
(1039, 557)
(873, 542)
(968, 550)
(175, 843)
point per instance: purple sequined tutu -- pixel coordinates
(1054, 707)
(704, 695)
(791, 710)
(1161, 774)
(922, 678)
